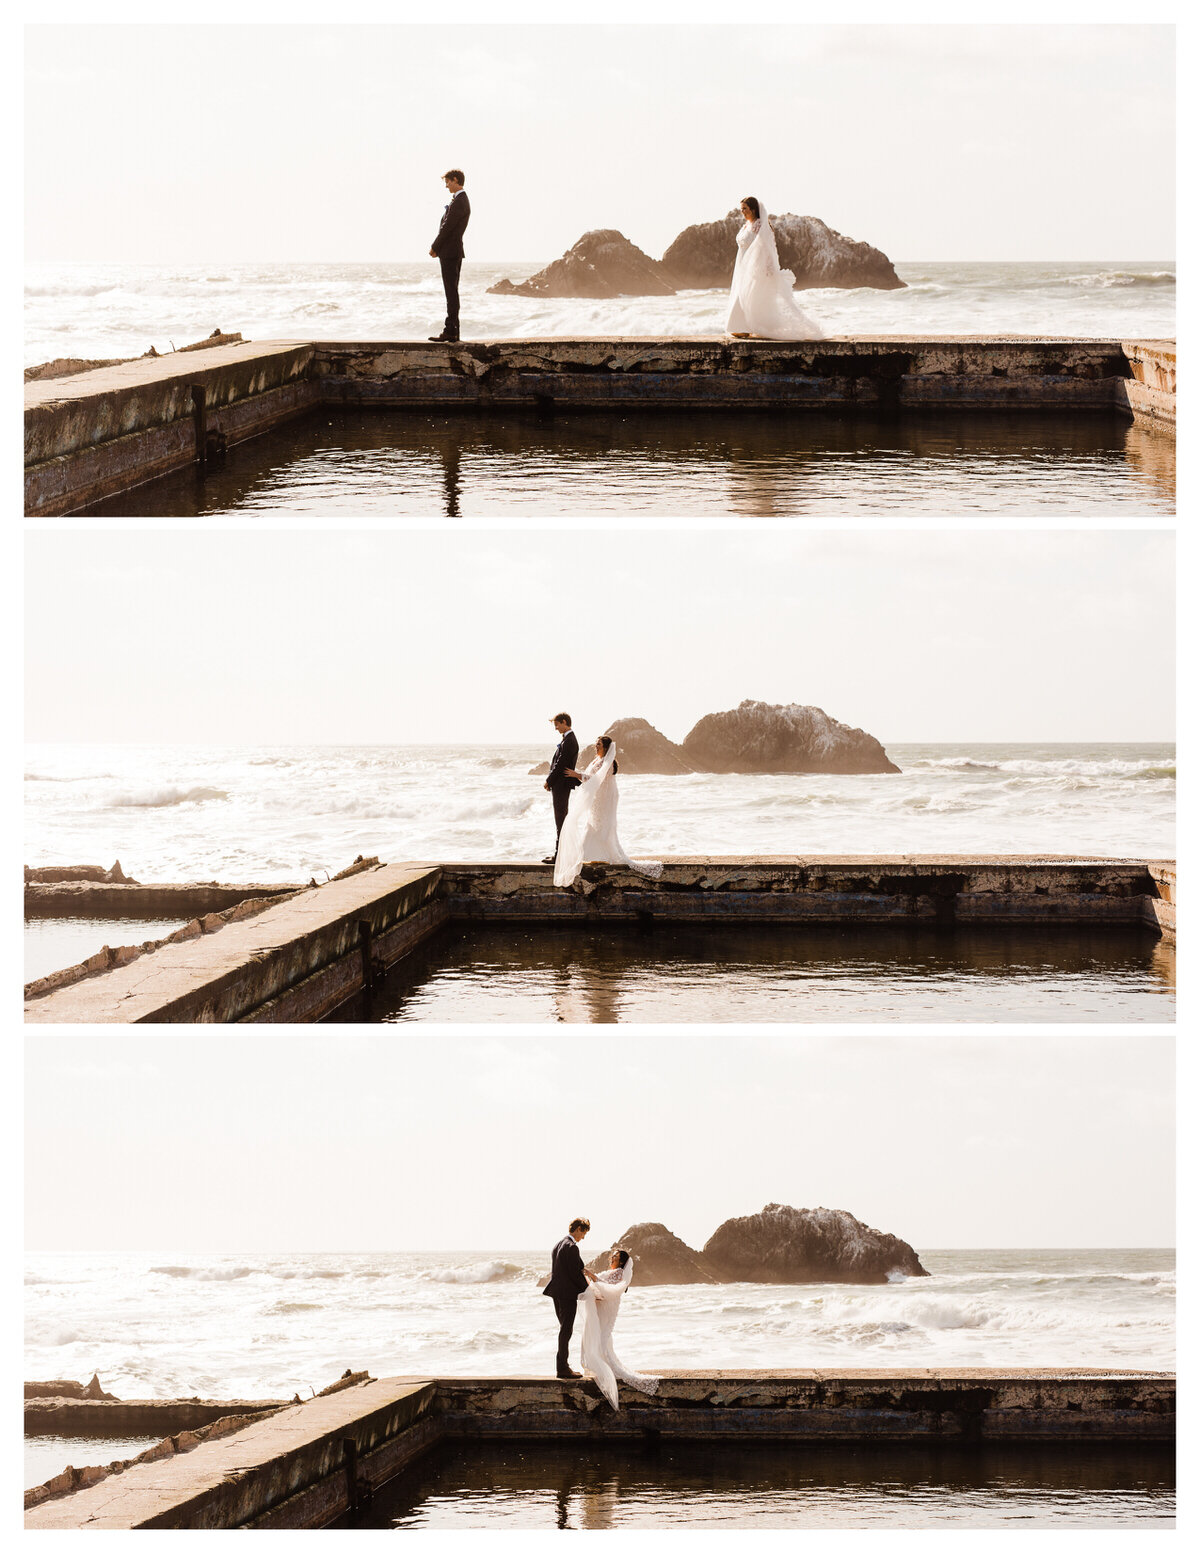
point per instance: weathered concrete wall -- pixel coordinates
(1148, 393)
(917, 372)
(958, 1406)
(228, 975)
(101, 432)
(822, 889)
(305, 1466)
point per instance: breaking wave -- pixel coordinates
(166, 797)
(481, 1272)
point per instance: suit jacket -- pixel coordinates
(566, 1270)
(565, 758)
(448, 243)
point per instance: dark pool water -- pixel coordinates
(776, 974)
(699, 464)
(53, 943)
(766, 1486)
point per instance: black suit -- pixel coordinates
(566, 758)
(567, 1283)
(448, 247)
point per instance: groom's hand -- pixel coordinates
(433, 253)
(546, 785)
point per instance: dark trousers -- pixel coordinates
(562, 797)
(451, 268)
(565, 1306)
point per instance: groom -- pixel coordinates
(448, 248)
(558, 784)
(568, 1279)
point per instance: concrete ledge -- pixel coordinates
(70, 1418)
(309, 1464)
(99, 433)
(227, 975)
(87, 898)
(232, 1481)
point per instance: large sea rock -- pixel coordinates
(646, 752)
(658, 1257)
(702, 256)
(807, 1245)
(601, 264)
(758, 737)
(778, 1245)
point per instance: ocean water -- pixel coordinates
(105, 310)
(238, 815)
(256, 1326)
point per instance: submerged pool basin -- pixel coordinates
(54, 943)
(775, 973)
(635, 462)
(701, 1485)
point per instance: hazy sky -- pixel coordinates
(276, 636)
(259, 142)
(456, 1142)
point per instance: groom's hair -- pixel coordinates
(457, 174)
(579, 1224)
(563, 717)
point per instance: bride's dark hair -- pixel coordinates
(621, 1254)
(753, 204)
(607, 743)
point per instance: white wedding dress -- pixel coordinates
(601, 1303)
(760, 298)
(589, 833)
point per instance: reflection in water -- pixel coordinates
(766, 1485)
(671, 973)
(765, 462)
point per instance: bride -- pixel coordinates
(760, 298)
(601, 1303)
(589, 833)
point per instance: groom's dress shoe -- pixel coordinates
(549, 860)
(444, 338)
(568, 1375)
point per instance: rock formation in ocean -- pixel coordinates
(702, 256)
(645, 751)
(757, 737)
(807, 1245)
(601, 264)
(778, 1245)
(659, 1257)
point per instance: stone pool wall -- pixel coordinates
(309, 1463)
(299, 960)
(101, 432)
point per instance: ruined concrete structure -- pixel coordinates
(301, 958)
(96, 434)
(309, 1463)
